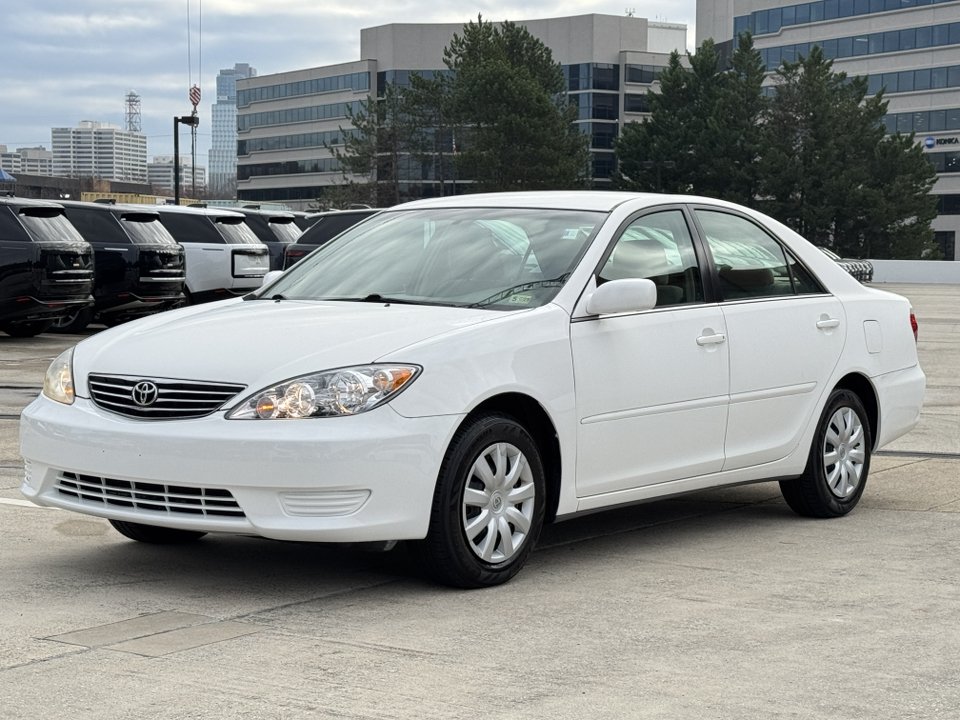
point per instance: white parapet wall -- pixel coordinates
(939, 272)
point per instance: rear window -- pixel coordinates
(235, 231)
(285, 229)
(99, 226)
(48, 225)
(146, 229)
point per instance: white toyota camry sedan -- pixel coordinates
(457, 372)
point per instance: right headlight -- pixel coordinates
(332, 393)
(58, 382)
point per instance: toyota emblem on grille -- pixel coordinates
(144, 393)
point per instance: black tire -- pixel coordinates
(75, 322)
(155, 535)
(826, 489)
(447, 554)
(26, 329)
(114, 321)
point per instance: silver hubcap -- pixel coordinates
(65, 320)
(844, 451)
(498, 503)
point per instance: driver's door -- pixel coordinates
(651, 386)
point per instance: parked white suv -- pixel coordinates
(224, 257)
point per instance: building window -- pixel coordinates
(592, 76)
(349, 81)
(947, 242)
(773, 19)
(867, 44)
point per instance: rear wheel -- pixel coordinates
(839, 461)
(155, 535)
(26, 329)
(488, 506)
(75, 322)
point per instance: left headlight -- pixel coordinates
(58, 382)
(344, 391)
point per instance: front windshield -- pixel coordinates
(507, 259)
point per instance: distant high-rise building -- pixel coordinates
(160, 174)
(95, 149)
(223, 148)
(31, 161)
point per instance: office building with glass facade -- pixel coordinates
(909, 47)
(286, 121)
(223, 143)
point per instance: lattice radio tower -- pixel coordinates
(133, 111)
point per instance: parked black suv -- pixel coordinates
(327, 226)
(46, 267)
(140, 268)
(275, 229)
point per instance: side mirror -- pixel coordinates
(270, 277)
(617, 296)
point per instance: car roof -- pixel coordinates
(597, 200)
(265, 213)
(209, 212)
(27, 202)
(111, 207)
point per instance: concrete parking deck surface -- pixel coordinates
(722, 604)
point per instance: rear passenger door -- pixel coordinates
(784, 332)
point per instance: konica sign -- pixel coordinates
(931, 143)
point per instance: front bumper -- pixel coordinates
(369, 477)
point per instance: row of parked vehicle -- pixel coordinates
(66, 264)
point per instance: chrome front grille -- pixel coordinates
(171, 400)
(148, 497)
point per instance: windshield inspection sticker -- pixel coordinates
(519, 299)
(571, 233)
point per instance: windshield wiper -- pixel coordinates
(504, 294)
(376, 298)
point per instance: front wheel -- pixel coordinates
(74, 322)
(488, 506)
(839, 461)
(155, 535)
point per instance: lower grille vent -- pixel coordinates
(148, 497)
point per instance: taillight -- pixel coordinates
(913, 324)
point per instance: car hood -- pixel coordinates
(261, 342)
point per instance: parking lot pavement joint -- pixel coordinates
(169, 642)
(284, 606)
(79, 650)
(918, 454)
(918, 461)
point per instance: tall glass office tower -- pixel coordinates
(223, 148)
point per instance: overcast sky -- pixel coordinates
(70, 60)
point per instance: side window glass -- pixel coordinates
(658, 247)
(803, 282)
(749, 262)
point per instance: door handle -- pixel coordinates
(829, 323)
(711, 339)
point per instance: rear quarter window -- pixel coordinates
(99, 226)
(191, 228)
